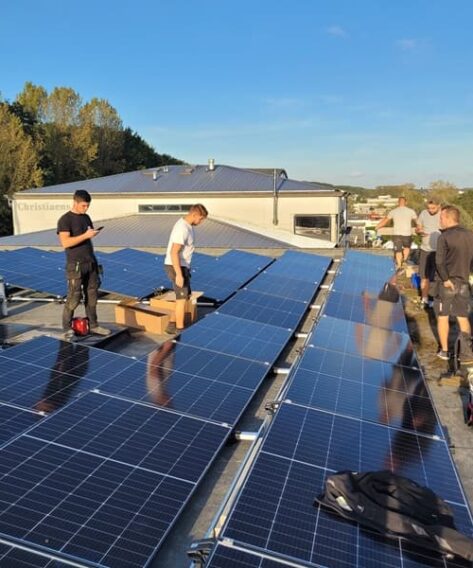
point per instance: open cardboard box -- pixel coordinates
(167, 301)
(140, 316)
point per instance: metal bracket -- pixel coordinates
(200, 550)
(272, 406)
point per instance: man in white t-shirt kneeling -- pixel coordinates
(178, 259)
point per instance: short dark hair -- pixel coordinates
(200, 209)
(452, 212)
(82, 195)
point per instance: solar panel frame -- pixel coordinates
(284, 287)
(238, 337)
(274, 509)
(368, 309)
(360, 339)
(14, 421)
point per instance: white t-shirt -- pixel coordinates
(182, 234)
(431, 225)
(402, 220)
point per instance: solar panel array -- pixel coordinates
(353, 402)
(131, 272)
(101, 452)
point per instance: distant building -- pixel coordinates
(302, 214)
(375, 206)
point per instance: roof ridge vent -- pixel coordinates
(187, 170)
(211, 165)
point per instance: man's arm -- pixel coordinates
(67, 241)
(440, 257)
(176, 263)
(384, 221)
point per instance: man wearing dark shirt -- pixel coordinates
(453, 260)
(76, 231)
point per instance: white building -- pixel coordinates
(302, 214)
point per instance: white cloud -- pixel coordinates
(336, 31)
(407, 44)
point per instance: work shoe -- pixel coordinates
(171, 328)
(67, 335)
(97, 330)
(444, 355)
(466, 354)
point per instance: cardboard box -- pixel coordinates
(167, 301)
(141, 316)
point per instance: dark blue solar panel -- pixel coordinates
(68, 357)
(12, 556)
(264, 308)
(213, 285)
(366, 308)
(275, 512)
(84, 506)
(300, 266)
(226, 556)
(371, 260)
(171, 389)
(364, 388)
(14, 421)
(365, 340)
(239, 337)
(283, 287)
(208, 364)
(135, 434)
(355, 279)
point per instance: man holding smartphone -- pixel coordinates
(76, 231)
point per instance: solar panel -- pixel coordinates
(300, 266)
(283, 287)
(27, 386)
(373, 260)
(83, 506)
(365, 340)
(368, 309)
(183, 392)
(238, 337)
(358, 278)
(14, 421)
(68, 357)
(274, 511)
(12, 556)
(364, 388)
(264, 308)
(225, 555)
(104, 480)
(213, 285)
(208, 364)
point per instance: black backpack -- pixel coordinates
(397, 507)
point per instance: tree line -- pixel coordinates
(442, 191)
(56, 137)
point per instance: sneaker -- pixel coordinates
(171, 328)
(97, 330)
(444, 355)
(67, 335)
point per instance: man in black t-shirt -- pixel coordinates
(454, 261)
(76, 231)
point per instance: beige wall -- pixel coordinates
(36, 214)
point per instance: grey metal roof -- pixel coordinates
(152, 230)
(185, 179)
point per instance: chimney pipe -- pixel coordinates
(155, 175)
(211, 166)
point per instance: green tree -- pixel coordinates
(19, 163)
(107, 135)
(443, 191)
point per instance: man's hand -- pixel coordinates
(179, 280)
(91, 233)
(449, 284)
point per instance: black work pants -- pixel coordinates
(82, 280)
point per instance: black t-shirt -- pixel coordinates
(77, 224)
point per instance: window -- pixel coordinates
(317, 226)
(170, 208)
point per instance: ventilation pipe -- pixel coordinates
(155, 175)
(275, 198)
(211, 166)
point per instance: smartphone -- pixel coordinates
(99, 228)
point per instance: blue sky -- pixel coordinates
(359, 92)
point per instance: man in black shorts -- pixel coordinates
(454, 259)
(76, 231)
(428, 226)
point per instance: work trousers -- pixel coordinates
(82, 281)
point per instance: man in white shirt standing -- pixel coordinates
(402, 217)
(178, 261)
(428, 225)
